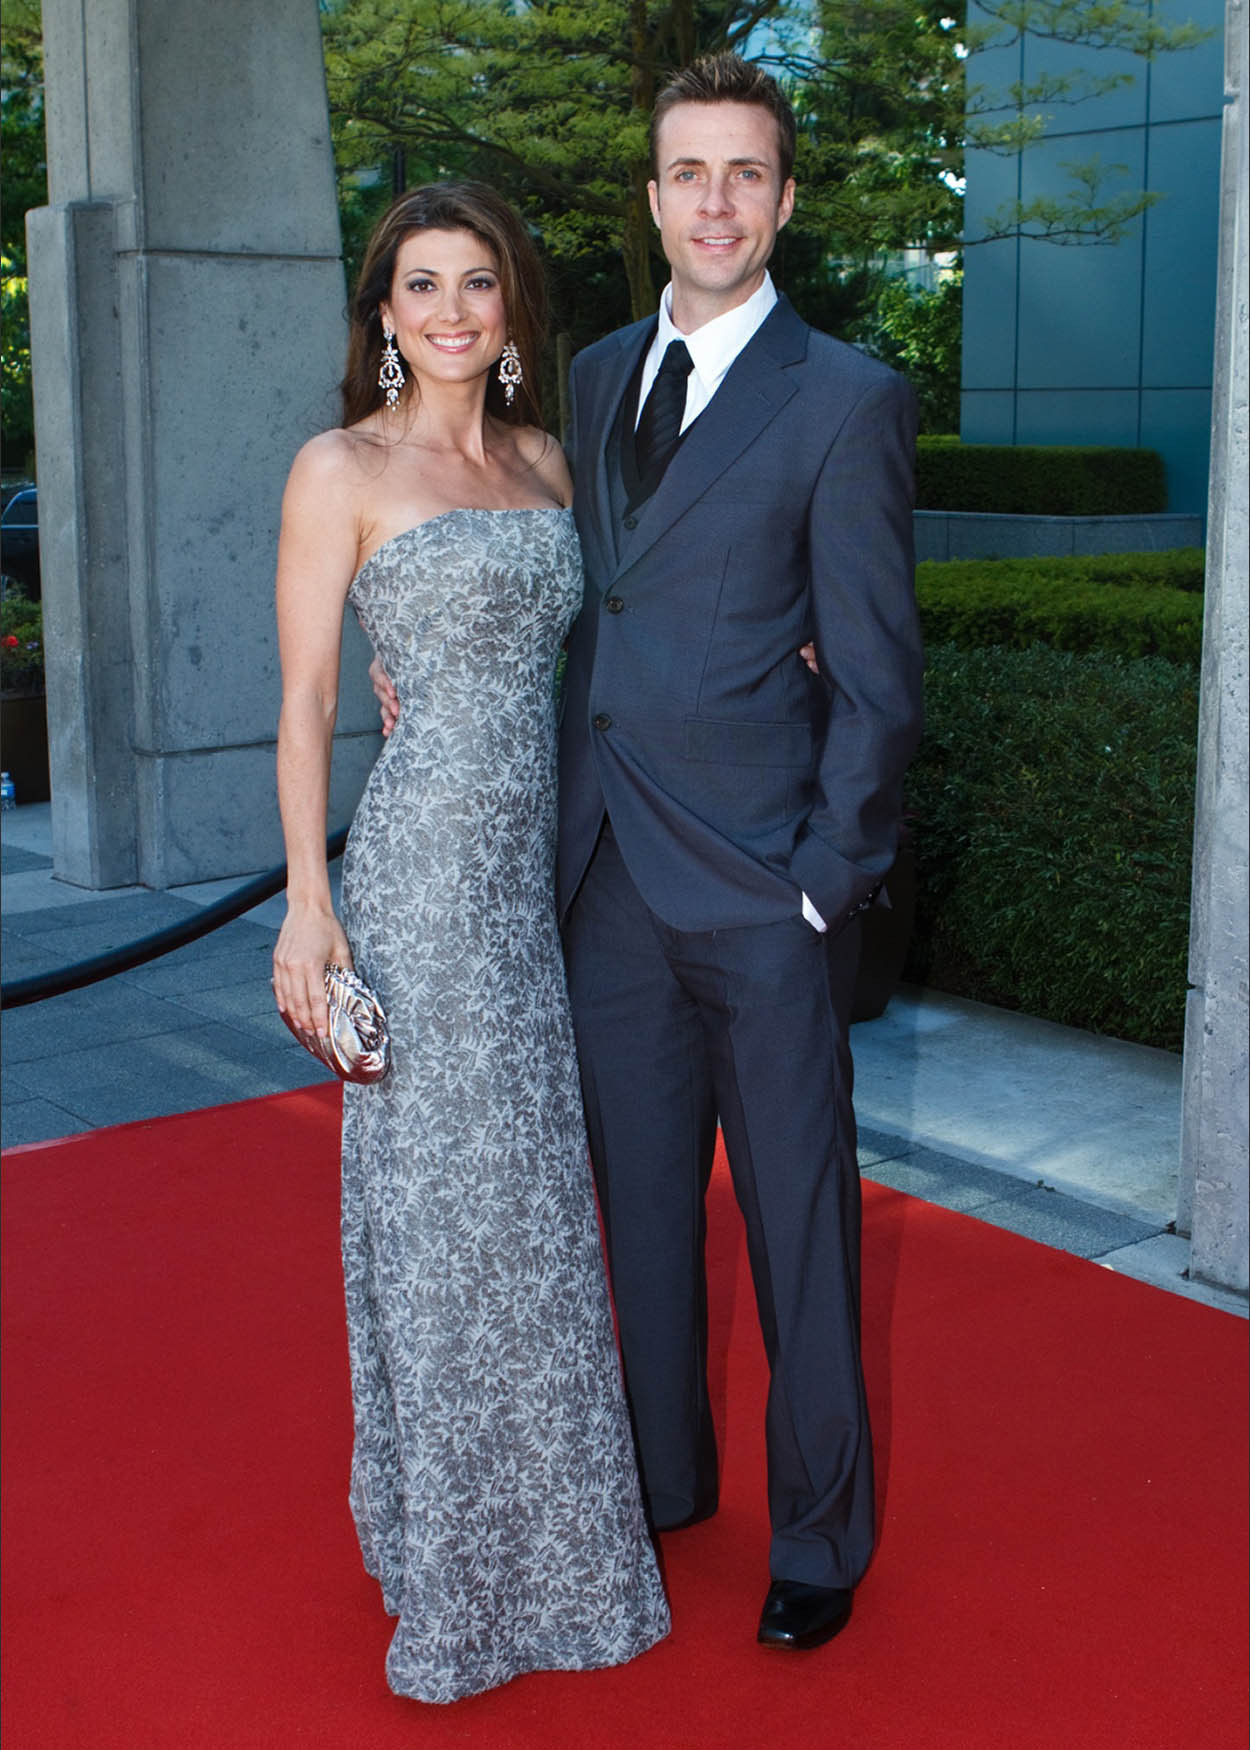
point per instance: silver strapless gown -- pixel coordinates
(493, 1479)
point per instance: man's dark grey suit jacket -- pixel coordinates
(736, 780)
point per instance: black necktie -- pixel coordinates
(663, 411)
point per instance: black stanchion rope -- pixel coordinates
(223, 911)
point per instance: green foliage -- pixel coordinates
(1038, 479)
(1171, 568)
(1135, 604)
(549, 101)
(16, 404)
(25, 186)
(1052, 804)
(21, 640)
(879, 92)
(21, 122)
(919, 333)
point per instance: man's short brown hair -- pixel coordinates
(727, 79)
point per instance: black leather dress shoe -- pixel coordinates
(798, 1615)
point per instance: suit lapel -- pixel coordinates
(609, 391)
(756, 386)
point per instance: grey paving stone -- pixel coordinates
(68, 947)
(171, 1072)
(878, 1145)
(230, 938)
(13, 1085)
(293, 1067)
(266, 1025)
(1066, 1222)
(186, 970)
(100, 1015)
(1163, 1261)
(231, 1002)
(98, 929)
(23, 1121)
(89, 938)
(126, 917)
(19, 958)
(14, 860)
(955, 1184)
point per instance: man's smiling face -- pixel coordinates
(719, 202)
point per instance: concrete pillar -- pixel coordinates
(1213, 1200)
(187, 332)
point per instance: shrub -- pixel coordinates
(1173, 568)
(920, 333)
(1052, 804)
(1137, 604)
(1038, 479)
(21, 641)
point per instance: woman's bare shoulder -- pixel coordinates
(336, 467)
(340, 449)
(540, 453)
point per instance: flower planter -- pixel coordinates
(24, 744)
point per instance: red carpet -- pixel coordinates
(1062, 1456)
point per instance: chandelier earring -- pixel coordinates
(511, 374)
(391, 376)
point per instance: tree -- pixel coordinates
(25, 186)
(919, 332)
(879, 92)
(551, 100)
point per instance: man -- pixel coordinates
(743, 487)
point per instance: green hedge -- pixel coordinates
(1136, 604)
(1038, 479)
(1173, 568)
(1052, 808)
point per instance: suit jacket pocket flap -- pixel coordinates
(748, 744)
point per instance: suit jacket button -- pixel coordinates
(614, 604)
(601, 720)
(631, 522)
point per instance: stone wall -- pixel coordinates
(1215, 1148)
(187, 305)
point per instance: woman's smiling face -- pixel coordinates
(446, 305)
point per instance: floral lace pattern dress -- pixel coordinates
(493, 1479)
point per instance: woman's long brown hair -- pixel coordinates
(449, 206)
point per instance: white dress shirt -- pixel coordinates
(712, 348)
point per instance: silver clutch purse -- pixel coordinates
(359, 1045)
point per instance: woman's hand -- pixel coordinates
(806, 651)
(387, 697)
(311, 938)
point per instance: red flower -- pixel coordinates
(10, 641)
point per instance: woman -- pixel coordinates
(493, 1480)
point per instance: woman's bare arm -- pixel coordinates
(316, 560)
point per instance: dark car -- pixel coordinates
(19, 539)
